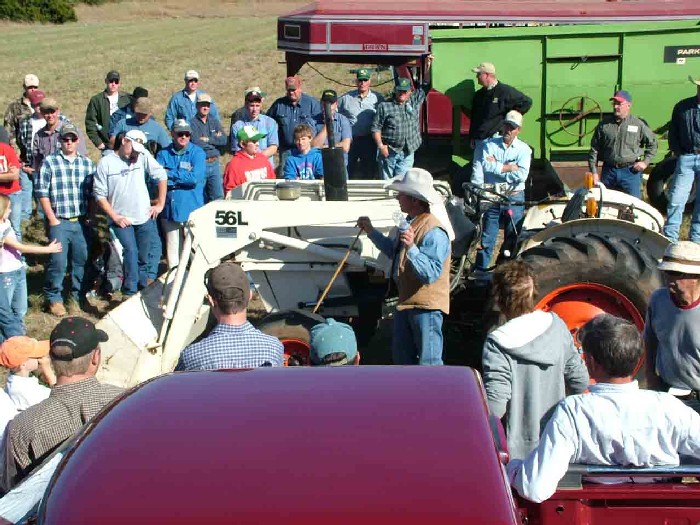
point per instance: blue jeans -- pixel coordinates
(417, 337)
(74, 236)
(214, 188)
(625, 180)
(16, 213)
(496, 217)
(27, 194)
(396, 164)
(141, 244)
(687, 172)
(13, 303)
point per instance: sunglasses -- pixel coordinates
(47, 111)
(32, 87)
(113, 81)
(184, 134)
(362, 80)
(192, 80)
(69, 139)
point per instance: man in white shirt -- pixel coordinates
(616, 424)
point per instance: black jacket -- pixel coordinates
(684, 133)
(489, 108)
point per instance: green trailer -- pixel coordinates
(570, 72)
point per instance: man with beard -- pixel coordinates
(672, 327)
(121, 192)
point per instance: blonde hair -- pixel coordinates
(4, 204)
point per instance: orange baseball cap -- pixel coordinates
(16, 350)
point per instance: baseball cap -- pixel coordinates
(138, 139)
(696, 82)
(622, 96)
(403, 84)
(69, 129)
(329, 96)
(363, 74)
(48, 104)
(228, 282)
(485, 67)
(112, 75)
(139, 92)
(181, 125)
(191, 74)
(332, 344)
(16, 350)
(77, 334)
(203, 98)
(143, 105)
(515, 118)
(250, 133)
(254, 92)
(292, 83)
(31, 80)
(36, 97)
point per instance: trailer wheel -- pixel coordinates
(293, 329)
(582, 276)
(659, 184)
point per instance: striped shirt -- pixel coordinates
(232, 346)
(39, 430)
(67, 183)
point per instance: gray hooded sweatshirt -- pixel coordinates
(527, 363)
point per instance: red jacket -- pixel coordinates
(241, 168)
(8, 158)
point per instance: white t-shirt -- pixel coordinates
(25, 391)
(113, 103)
(37, 124)
(8, 411)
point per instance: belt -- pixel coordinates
(694, 395)
(618, 165)
(213, 159)
(72, 219)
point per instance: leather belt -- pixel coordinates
(619, 165)
(212, 159)
(71, 219)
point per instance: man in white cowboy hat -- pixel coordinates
(502, 163)
(684, 142)
(672, 328)
(420, 254)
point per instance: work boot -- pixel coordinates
(57, 309)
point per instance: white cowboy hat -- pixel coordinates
(682, 256)
(417, 183)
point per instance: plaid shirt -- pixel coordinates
(399, 124)
(14, 114)
(67, 183)
(24, 139)
(36, 432)
(231, 346)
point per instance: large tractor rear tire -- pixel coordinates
(582, 276)
(659, 185)
(293, 329)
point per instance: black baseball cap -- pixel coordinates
(112, 75)
(140, 92)
(329, 96)
(78, 334)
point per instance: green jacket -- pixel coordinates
(97, 117)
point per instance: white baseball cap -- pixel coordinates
(31, 80)
(138, 139)
(191, 74)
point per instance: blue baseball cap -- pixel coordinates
(622, 96)
(332, 344)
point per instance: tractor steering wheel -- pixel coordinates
(474, 193)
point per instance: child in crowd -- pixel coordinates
(304, 162)
(248, 164)
(13, 279)
(24, 355)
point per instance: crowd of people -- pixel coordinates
(530, 361)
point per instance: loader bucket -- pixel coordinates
(132, 354)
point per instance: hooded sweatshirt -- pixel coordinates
(304, 166)
(527, 362)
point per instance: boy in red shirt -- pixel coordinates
(248, 164)
(10, 185)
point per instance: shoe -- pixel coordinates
(57, 309)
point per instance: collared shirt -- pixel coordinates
(490, 157)
(154, 132)
(684, 132)
(212, 131)
(676, 332)
(28, 127)
(359, 110)
(264, 124)
(40, 429)
(341, 130)
(399, 123)
(426, 259)
(67, 183)
(15, 112)
(622, 142)
(616, 424)
(187, 175)
(181, 106)
(232, 346)
(46, 142)
(123, 184)
(289, 116)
